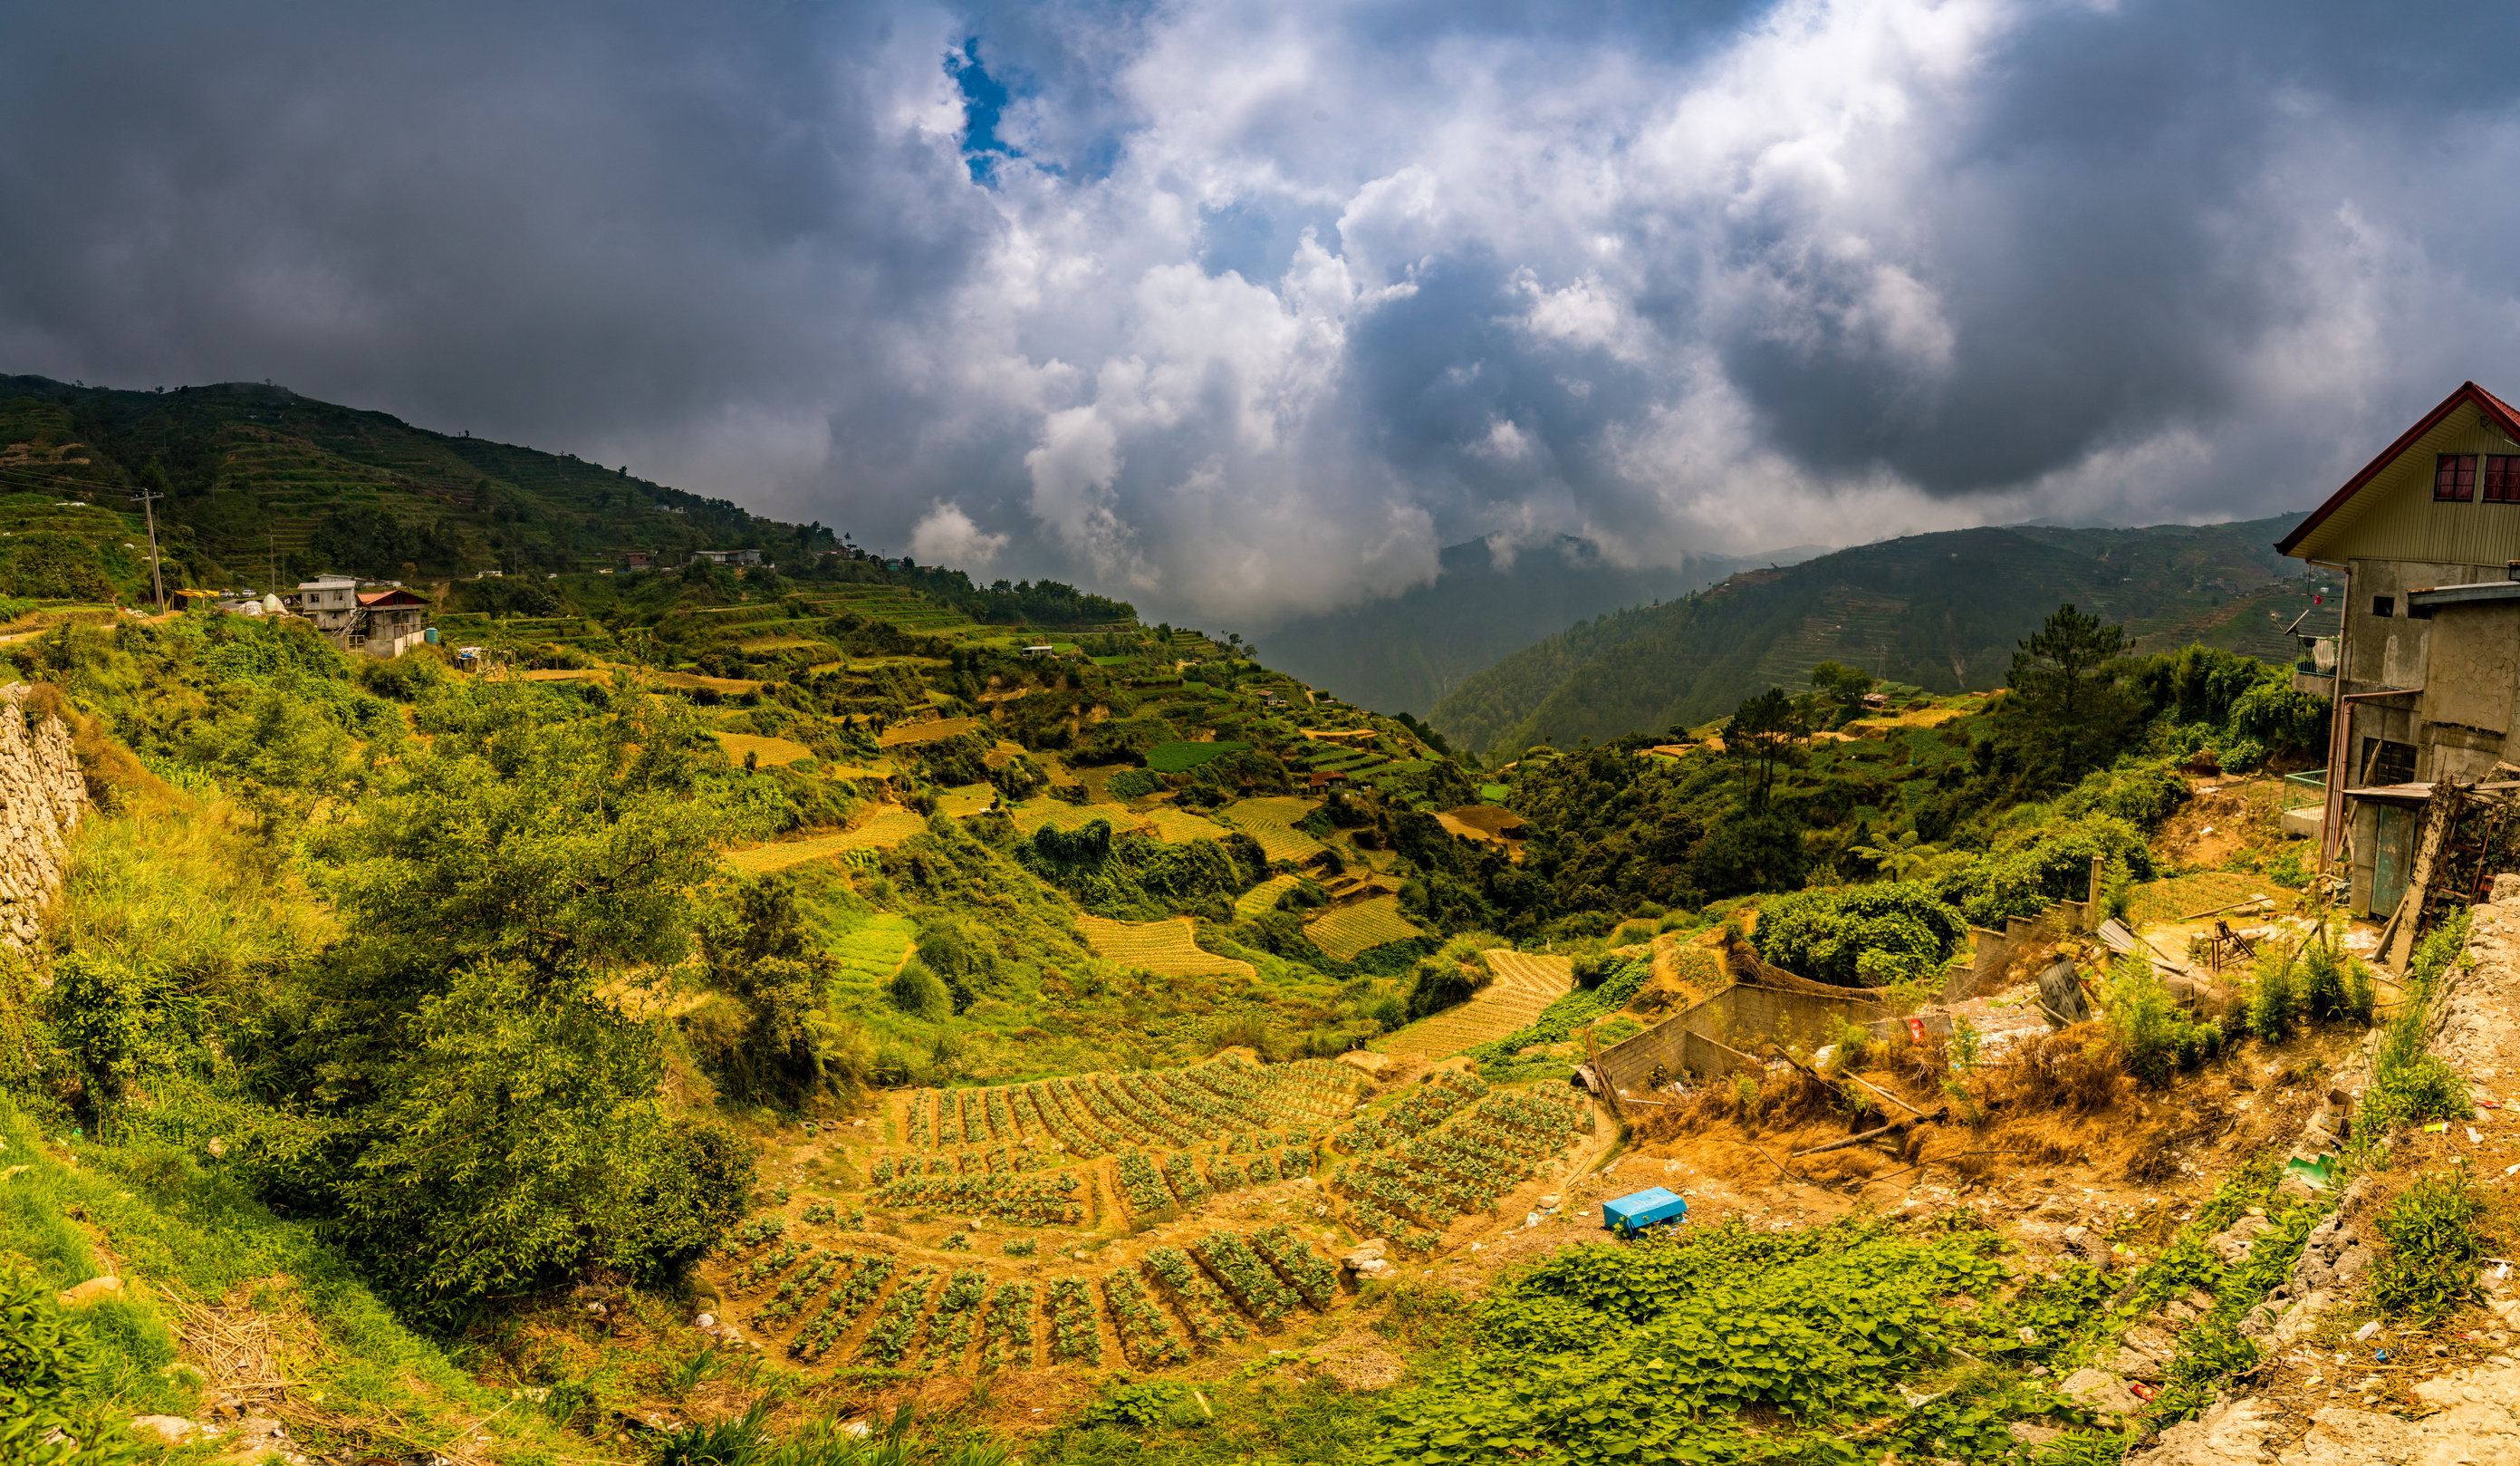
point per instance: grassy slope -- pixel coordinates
(256, 469)
(1942, 611)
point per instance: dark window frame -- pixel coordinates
(2500, 481)
(2384, 605)
(2454, 478)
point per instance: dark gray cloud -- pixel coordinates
(1248, 309)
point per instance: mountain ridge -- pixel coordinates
(1941, 611)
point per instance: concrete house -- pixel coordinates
(385, 621)
(728, 557)
(2425, 675)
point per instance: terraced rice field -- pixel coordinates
(965, 801)
(1263, 898)
(1523, 984)
(770, 753)
(1272, 822)
(2180, 896)
(868, 956)
(1177, 826)
(932, 731)
(1032, 815)
(1349, 931)
(1165, 948)
(890, 827)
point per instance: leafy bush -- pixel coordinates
(2434, 1247)
(2155, 1036)
(1133, 784)
(2047, 861)
(2142, 792)
(1859, 936)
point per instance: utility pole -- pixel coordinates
(148, 498)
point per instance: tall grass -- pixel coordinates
(2408, 1084)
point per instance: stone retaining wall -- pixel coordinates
(42, 795)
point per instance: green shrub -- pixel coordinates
(1859, 936)
(2142, 792)
(2156, 1037)
(2408, 1085)
(1133, 784)
(2274, 1000)
(2434, 1247)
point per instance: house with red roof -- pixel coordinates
(2425, 674)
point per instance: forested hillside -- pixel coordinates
(1408, 652)
(263, 485)
(1940, 611)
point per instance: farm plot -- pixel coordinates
(966, 800)
(1163, 1109)
(889, 826)
(1179, 826)
(1523, 984)
(768, 752)
(1200, 1295)
(2151, 902)
(1352, 931)
(1459, 1167)
(868, 956)
(1263, 898)
(1272, 822)
(1165, 948)
(934, 730)
(1031, 817)
(1182, 757)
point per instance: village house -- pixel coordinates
(385, 620)
(638, 560)
(728, 557)
(2423, 676)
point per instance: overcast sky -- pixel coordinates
(1239, 309)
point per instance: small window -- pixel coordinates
(2454, 477)
(2384, 605)
(2502, 478)
(2385, 761)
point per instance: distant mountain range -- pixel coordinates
(1404, 653)
(261, 483)
(1944, 612)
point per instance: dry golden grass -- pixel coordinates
(767, 751)
(889, 826)
(1350, 930)
(1165, 948)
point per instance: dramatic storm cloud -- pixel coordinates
(1244, 309)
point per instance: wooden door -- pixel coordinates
(2393, 851)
